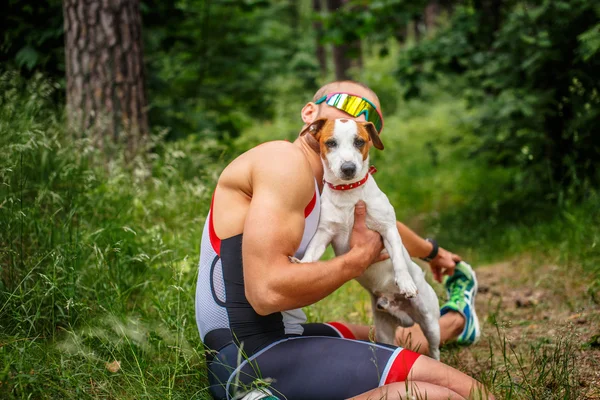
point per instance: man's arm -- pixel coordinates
(443, 264)
(273, 231)
(416, 246)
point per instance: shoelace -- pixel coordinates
(458, 289)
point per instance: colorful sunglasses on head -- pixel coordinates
(355, 106)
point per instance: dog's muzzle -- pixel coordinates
(348, 170)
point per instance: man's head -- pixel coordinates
(327, 100)
(312, 111)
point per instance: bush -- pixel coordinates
(534, 84)
(90, 250)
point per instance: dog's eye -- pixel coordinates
(359, 143)
(331, 144)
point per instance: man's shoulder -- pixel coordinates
(269, 162)
(282, 173)
(277, 147)
(280, 154)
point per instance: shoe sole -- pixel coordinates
(474, 313)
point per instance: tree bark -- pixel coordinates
(490, 19)
(432, 14)
(345, 53)
(416, 24)
(401, 33)
(106, 96)
(341, 62)
(320, 50)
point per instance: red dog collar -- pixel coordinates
(354, 185)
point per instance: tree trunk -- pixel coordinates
(416, 23)
(105, 75)
(320, 51)
(432, 14)
(490, 19)
(401, 33)
(354, 51)
(448, 5)
(344, 53)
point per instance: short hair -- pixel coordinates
(323, 90)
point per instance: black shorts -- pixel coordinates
(326, 362)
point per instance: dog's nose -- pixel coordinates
(348, 168)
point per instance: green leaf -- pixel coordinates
(28, 57)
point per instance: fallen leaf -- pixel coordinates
(114, 366)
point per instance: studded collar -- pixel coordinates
(354, 185)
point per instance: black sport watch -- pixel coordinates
(434, 250)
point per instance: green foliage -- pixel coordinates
(590, 42)
(32, 37)
(212, 67)
(97, 262)
(533, 84)
(212, 64)
(376, 20)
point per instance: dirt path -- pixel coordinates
(540, 336)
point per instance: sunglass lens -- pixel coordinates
(356, 106)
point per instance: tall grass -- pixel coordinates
(98, 260)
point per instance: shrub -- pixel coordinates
(89, 251)
(533, 82)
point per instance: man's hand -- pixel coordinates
(443, 264)
(365, 245)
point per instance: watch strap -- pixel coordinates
(434, 251)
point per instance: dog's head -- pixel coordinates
(344, 145)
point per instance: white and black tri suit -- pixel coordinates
(243, 346)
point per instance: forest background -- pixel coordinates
(492, 110)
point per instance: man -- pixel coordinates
(265, 208)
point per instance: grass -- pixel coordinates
(98, 260)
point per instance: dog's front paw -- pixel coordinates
(407, 288)
(294, 260)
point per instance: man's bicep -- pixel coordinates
(272, 232)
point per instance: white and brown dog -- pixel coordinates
(399, 292)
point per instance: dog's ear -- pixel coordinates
(314, 128)
(373, 135)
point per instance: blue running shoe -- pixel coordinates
(461, 288)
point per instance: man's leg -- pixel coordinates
(451, 326)
(410, 391)
(431, 379)
(311, 367)
(458, 320)
(427, 379)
